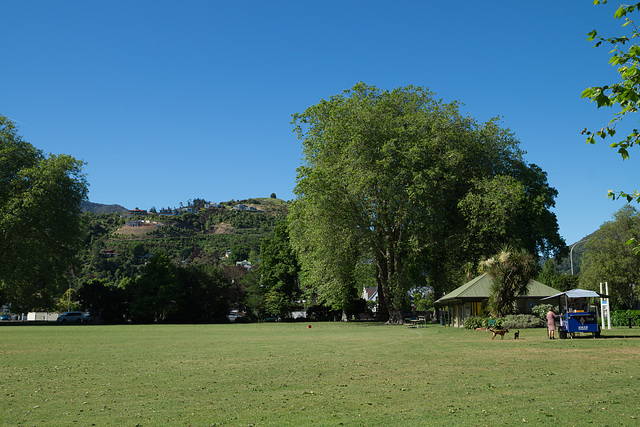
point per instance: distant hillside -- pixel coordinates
(219, 235)
(564, 266)
(99, 208)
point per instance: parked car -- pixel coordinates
(71, 317)
(90, 318)
(5, 317)
(235, 317)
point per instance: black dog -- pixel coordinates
(516, 335)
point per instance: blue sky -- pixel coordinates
(167, 101)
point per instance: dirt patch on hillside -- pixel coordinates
(223, 228)
(136, 231)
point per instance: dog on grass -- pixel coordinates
(516, 335)
(500, 332)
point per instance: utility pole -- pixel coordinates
(571, 252)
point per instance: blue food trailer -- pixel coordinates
(578, 315)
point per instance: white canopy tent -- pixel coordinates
(578, 293)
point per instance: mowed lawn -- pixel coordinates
(330, 374)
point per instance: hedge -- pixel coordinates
(621, 317)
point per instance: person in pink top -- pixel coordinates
(551, 322)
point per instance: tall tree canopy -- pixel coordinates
(279, 271)
(608, 258)
(625, 93)
(157, 294)
(40, 229)
(383, 181)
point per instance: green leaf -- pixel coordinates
(587, 93)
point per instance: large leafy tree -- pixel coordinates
(40, 226)
(104, 300)
(204, 294)
(330, 256)
(608, 259)
(157, 294)
(624, 94)
(512, 210)
(383, 177)
(279, 271)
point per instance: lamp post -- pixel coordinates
(571, 252)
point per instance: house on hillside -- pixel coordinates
(245, 208)
(166, 212)
(469, 299)
(137, 211)
(109, 253)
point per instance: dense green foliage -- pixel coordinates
(522, 321)
(551, 276)
(40, 231)
(156, 292)
(397, 181)
(279, 269)
(473, 322)
(621, 317)
(625, 93)
(609, 259)
(510, 321)
(541, 310)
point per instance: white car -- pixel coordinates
(71, 317)
(234, 316)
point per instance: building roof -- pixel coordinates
(369, 292)
(480, 287)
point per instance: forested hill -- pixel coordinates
(118, 244)
(99, 208)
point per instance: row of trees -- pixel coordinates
(162, 293)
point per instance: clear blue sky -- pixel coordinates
(171, 100)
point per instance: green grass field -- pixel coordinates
(330, 374)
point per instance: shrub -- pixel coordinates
(621, 317)
(473, 322)
(542, 309)
(523, 321)
(499, 321)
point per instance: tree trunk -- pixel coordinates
(383, 311)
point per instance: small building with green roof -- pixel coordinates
(470, 299)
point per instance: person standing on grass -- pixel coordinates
(551, 322)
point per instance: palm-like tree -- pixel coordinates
(511, 271)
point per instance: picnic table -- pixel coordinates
(418, 322)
